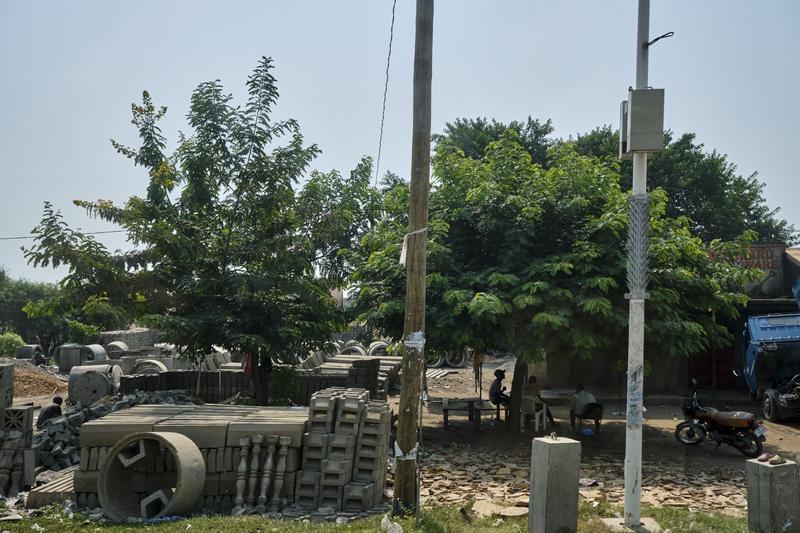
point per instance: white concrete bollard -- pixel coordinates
(773, 497)
(555, 469)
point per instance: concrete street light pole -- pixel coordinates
(637, 285)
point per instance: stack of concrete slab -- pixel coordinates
(344, 452)
(230, 439)
(17, 460)
(322, 363)
(59, 490)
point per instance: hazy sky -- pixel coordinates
(69, 71)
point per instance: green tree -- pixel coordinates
(703, 186)
(532, 260)
(226, 252)
(473, 136)
(9, 342)
(16, 298)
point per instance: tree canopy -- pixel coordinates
(703, 186)
(533, 260)
(226, 251)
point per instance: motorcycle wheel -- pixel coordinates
(748, 444)
(689, 434)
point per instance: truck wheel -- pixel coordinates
(770, 406)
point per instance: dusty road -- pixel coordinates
(493, 464)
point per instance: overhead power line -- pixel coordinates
(385, 91)
(26, 237)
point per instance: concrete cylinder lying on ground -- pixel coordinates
(94, 352)
(149, 366)
(177, 496)
(89, 383)
(773, 496)
(115, 349)
(555, 470)
(27, 351)
(377, 348)
(354, 350)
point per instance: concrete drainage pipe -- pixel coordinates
(115, 349)
(89, 383)
(169, 493)
(93, 352)
(149, 366)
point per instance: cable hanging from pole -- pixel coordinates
(385, 91)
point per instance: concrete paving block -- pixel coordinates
(85, 481)
(220, 454)
(330, 496)
(358, 497)
(773, 496)
(555, 469)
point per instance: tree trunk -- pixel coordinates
(261, 381)
(520, 377)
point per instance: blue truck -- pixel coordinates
(772, 362)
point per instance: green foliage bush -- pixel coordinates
(9, 343)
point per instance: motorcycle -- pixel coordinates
(742, 430)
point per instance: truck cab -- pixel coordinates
(772, 363)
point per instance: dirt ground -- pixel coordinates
(462, 463)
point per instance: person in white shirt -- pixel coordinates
(584, 405)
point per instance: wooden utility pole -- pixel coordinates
(405, 482)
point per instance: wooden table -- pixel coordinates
(472, 406)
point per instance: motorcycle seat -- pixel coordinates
(736, 419)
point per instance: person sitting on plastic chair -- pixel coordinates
(585, 406)
(532, 403)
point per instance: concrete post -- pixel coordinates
(555, 469)
(773, 497)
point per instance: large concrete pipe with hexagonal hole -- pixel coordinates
(168, 493)
(89, 383)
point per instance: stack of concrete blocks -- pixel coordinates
(17, 460)
(369, 468)
(235, 442)
(329, 365)
(363, 373)
(215, 386)
(344, 452)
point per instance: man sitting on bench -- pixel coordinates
(585, 406)
(497, 393)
